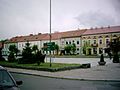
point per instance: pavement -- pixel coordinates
(109, 72)
(93, 61)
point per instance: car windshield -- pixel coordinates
(5, 79)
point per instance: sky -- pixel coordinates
(24, 17)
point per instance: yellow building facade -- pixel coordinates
(95, 44)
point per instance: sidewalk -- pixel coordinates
(108, 72)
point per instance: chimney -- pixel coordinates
(109, 26)
(31, 34)
(91, 28)
(39, 33)
(101, 27)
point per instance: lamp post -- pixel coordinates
(50, 33)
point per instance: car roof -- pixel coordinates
(2, 68)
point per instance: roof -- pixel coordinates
(102, 30)
(74, 33)
(67, 34)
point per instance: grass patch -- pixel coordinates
(42, 66)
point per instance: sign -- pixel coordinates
(49, 46)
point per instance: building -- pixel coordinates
(88, 41)
(94, 41)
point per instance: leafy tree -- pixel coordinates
(114, 46)
(68, 49)
(57, 48)
(86, 46)
(73, 48)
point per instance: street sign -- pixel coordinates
(49, 46)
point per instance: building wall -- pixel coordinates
(95, 43)
(5, 50)
(75, 40)
(98, 42)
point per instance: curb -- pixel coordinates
(67, 78)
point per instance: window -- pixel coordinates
(77, 49)
(100, 41)
(66, 42)
(77, 42)
(62, 42)
(19, 45)
(94, 42)
(5, 79)
(107, 41)
(69, 42)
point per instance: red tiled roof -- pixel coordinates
(54, 36)
(67, 34)
(102, 30)
(74, 33)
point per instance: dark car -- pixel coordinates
(7, 82)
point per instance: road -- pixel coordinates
(31, 82)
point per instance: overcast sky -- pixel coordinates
(23, 17)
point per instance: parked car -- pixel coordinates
(7, 82)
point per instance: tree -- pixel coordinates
(73, 48)
(68, 49)
(13, 50)
(39, 57)
(114, 46)
(27, 56)
(35, 49)
(1, 57)
(86, 47)
(57, 48)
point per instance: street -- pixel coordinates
(31, 82)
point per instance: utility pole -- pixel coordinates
(50, 33)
